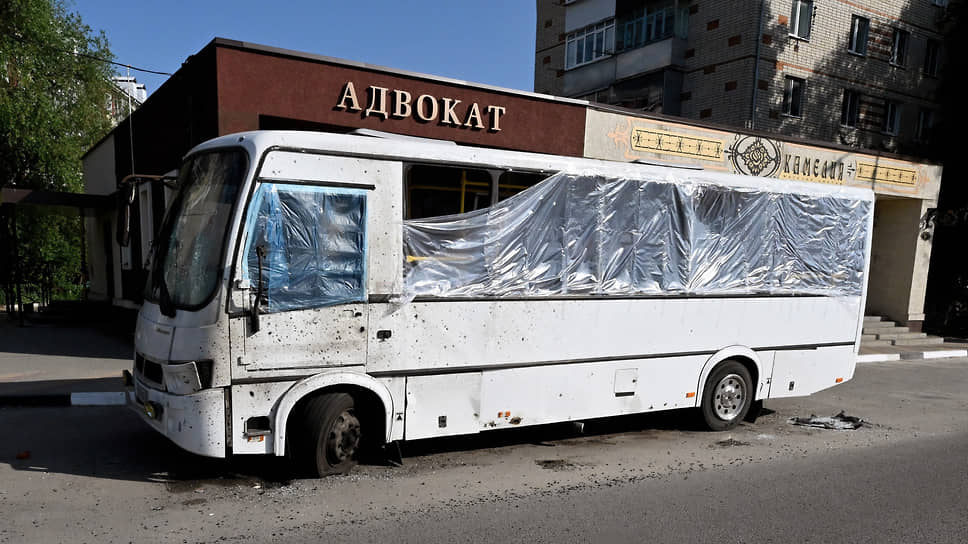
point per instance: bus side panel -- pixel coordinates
(253, 401)
(801, 372)
(443, 405)
(442, 336)
(537, 395)
(451, 404)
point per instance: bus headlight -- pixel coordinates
(181, 378)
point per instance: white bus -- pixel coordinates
(316, 295)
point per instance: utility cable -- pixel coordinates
(89, 56)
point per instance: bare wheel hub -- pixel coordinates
(344, 437)
(729, 397)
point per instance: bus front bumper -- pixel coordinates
(194, 422)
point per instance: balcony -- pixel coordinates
(640, 40)
(655, 56)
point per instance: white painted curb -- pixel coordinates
(878, 357)
(116, 398)
(912, 355)
(942, 354)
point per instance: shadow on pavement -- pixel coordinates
(73, 329)
(68, 340)
(39, 392)
(112, 442)
(681, 420)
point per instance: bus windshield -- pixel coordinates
(189, 248)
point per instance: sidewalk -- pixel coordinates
(878, 354)
(62, 363)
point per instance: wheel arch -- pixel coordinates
(360, 386)
(741, 354)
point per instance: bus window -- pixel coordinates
(512, 183)
(315, 245)
(441, 190)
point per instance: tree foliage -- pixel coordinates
(54, 87)
(53, 94)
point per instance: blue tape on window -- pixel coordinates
(315, 242)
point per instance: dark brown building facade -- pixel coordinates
(231, 86)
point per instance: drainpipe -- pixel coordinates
(756, 65)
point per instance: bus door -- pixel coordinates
(303, 269)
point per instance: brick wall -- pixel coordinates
(549, 56)
(822, 61)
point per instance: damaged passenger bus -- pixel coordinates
(318, 295)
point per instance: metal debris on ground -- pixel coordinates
(839, 422)
(730, 442)
(555, 464)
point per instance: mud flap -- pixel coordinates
(393, 454)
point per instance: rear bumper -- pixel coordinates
(194, 422)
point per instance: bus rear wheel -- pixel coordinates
(331, 442)
(727, 396)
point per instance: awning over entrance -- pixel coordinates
(87, 204)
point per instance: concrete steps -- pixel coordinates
(881, 325)
(879, 332)
(927, 340)
(901, 335)
(885, 341)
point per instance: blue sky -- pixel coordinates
(484, 41)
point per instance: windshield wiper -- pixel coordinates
(165, 303)
(158, 284)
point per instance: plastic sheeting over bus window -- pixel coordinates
(592, 235)
(315, 245)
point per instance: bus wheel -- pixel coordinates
(334, 432)
(727, 396)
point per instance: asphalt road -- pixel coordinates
(99, 475)
(915, 491)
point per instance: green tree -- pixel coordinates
(54, 86)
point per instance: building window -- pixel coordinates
(644, 25)
(859, 27)
(589, 44)
(932, 58)
(793, 96)
(892, 117)
(850, 110)
(801, 18)
(940, 3)
(925, 126)
(899, 47)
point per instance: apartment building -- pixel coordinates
(855, 73)
(829, 91)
